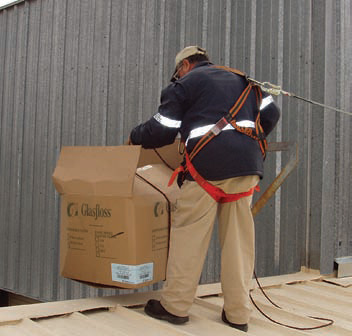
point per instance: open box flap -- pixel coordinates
(106, 170)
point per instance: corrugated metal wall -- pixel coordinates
(84, 72)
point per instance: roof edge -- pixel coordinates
(15, 2)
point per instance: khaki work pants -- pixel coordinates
(191, 232)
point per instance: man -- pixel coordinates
(200, 95)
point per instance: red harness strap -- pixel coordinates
(218, 194)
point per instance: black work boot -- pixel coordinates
(154, 309)
(242, 327)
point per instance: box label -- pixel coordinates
(132, 274)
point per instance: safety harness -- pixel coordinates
(256, 133)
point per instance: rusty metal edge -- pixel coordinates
(284, 173)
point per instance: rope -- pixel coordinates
(276, 91)
(161, 192)
(329, 321)
(162, 159)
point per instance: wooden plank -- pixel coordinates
(303, 298)
(320, 298)
(302, 276)
(256, 326)
(39, 310)
(343, 282)
(265, 327)
(307, 308)
(198, 325)
(134, 322)
(298, 320)
(331, 286)
(333, 291)
(24, 327)
(201, 325)
(8, 314)
(76, 324)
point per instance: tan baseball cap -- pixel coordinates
(185, 53)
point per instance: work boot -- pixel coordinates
(154, 309)
(242, 327)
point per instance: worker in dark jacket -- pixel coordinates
(200, 95)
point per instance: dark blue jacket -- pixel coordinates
(201, 98)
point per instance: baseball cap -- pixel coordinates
(185, 53)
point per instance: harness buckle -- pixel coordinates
(219, 126)
(181, 147)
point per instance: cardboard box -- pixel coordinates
(114, 216)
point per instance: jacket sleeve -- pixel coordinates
(269, 113)
(162, 128)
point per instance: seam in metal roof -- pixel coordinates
(299, 294)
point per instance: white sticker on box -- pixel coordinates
(132, 274)
(140, 169)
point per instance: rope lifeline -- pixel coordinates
(329, 321)
(276, 91)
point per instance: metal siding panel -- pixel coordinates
(85, 73)
(4, 154)
(278, 78)
(265, 228)
(71, 73)
(100, 73)
(303, 129)
(290, 116)
(141, 64)
(116, 95)
(131, 65)
(330, 188)
(193, 22)
(42, 175)
(41, 81)
(17, 143)
(241, 35)
(348, 107)
(150, 63)
(174, 30)
(317, 148)
(345, 219)
(258, 44)
(28, 188)
(214, 28)
(344, 241)
(51, 261)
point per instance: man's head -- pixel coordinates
(186, 59)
